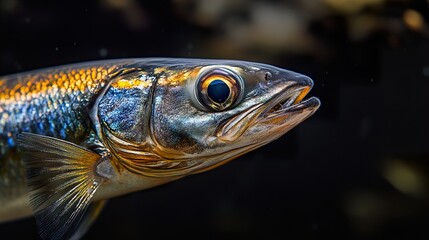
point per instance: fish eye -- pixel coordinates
(218, 89)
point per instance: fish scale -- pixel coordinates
(51, 103)
(77, 135)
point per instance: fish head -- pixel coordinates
(203, 113)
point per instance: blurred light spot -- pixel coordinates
(208, 12)
(351, 6)
(117, 3)
(366, 211)
(404, 178)
(370, 211)
(278, 27)
(273, 28)
(362, 26)
(103, 52)
(362, 205)
(414, 20)
(131, 11)
(8, 5)
(56, 48)
(425, 70)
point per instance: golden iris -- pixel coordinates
(219, 89)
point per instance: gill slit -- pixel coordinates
(93, 112)
(151, 137)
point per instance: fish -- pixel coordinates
(73, 136)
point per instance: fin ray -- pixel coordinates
(88, 219)
(61, 180)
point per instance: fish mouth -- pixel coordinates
(288, 102)
(275, 117)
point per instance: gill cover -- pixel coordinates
(125, 108)
(151, 120)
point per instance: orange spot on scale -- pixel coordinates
(178, 77)
(159, 70)
(134, 83)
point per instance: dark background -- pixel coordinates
(357, 169)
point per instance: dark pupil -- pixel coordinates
(218, 91)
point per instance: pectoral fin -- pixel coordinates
(62, 180)
(88, 219)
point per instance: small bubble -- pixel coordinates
(103, 52)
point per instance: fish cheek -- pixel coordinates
(176, 123)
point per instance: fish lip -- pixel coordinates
(290, 97)
(289, 101)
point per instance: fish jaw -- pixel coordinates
(204, 139)
(267, 121)
(285, 112)
(264, 122)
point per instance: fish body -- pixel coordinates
(75, 135)
(52, 102)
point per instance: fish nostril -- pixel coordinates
(268, 76)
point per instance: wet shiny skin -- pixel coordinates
(146, 113)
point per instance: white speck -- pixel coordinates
(372, 80)
(56, 49)
(74, 43)
(103, 52)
